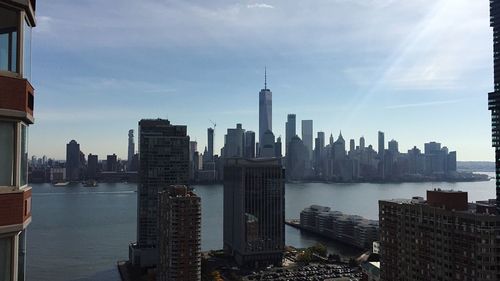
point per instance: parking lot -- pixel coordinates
(312, 272)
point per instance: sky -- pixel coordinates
(417, 70)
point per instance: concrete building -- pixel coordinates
(73, 161)
(254, 211)
(179, 223)
(17, 97)
(296, 159)
(265, 110)
(164, 161)
(307, 136)
(443, 238)
(290, 130)
(131, 149)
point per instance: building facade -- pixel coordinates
(290, 130)
(164, 161)
(254, 198)
(131, 149)
(307, 136)
(179, 223)
(17, 18)
(73, 161)
(441, 238)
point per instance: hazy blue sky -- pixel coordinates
(418, 70)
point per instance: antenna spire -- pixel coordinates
(265, 78)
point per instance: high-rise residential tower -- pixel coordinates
(73, 163)
(254, 211)
(163, 161)
(16, 114)
(494, 97)
(290, 130)
(307, 136)
(179, 223)
(265, 109)
(131, 149)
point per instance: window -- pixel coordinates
(5, 259)
(27, 50)
(24, 156)
(8, 39)
(7, 147)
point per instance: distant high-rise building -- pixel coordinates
(352, 145)
(112, 163)
(362, 143)
(254, 211)
(235, 142)
(249, 144)
(319, 153)
(267, 148)
(277, 148)
(441, 238)
(164, 161)
(179, 223)
(393, 146)
(210, 136)
(131, 149)
(307, 136)
(17, 97)
(290, 130)
(73, 162)
(193, 167)
(381, 154)
(331, 141)
(265, 110)
(296, 159)
(92, 166)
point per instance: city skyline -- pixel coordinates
(437, 61)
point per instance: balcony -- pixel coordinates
(16, 98)
(15, 209)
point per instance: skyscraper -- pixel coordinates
(235, 142)
(494, 97)
(16, 114)
(307, 136)
(249, 144)
(92, 166)
(362, 143)
(267, 148)
(112, 163)
(210, 136)
(164, 161)
(254, 211)
(381, 154)
(131, 149)
(179, 224)
(265, 109)
(73, 163)
(290, 130)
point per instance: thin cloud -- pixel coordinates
(260, 6)
(424, 104)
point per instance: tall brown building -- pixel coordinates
(441, 238)
(179, 241)
(17, 17)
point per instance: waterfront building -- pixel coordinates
(17, 97)
(164, 161)
(112, 163)
(92, 166)
(179, 224)
(235, 142)
(73, 161)
(131, 149)
(296, 159)
(290, 130)
(254, 211)
(307, 136)
(249, 144)
(441, 238)
(351, 229)
(265, 109)
(381, 154)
